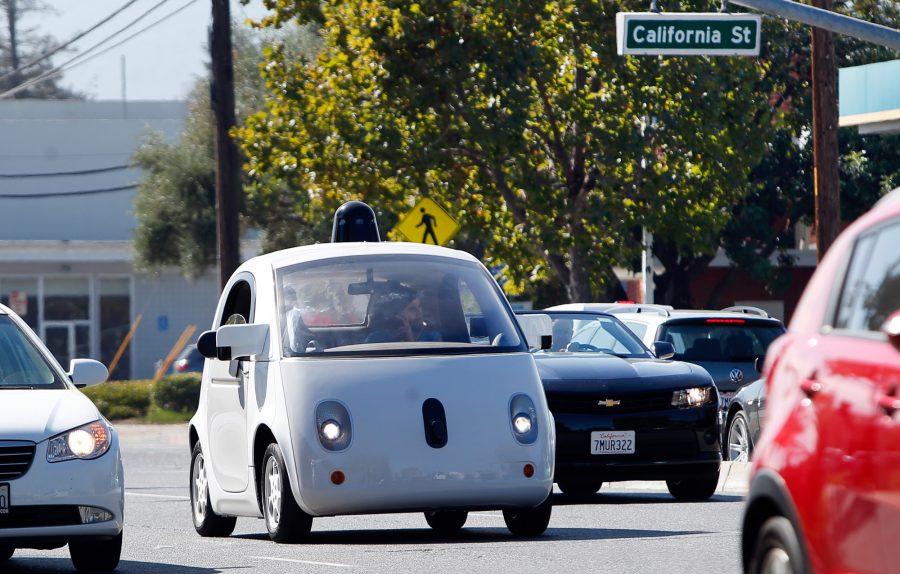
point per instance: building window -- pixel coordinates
(67, 298)
(115, 321)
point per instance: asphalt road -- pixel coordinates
(623, 529)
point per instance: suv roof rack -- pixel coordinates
(664, 310)
(747, 310)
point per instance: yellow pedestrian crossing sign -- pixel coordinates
(428, 223)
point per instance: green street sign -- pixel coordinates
(688, 34)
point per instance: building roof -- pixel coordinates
(869, 97)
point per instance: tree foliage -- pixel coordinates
(548, 147)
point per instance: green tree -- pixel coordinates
(20, 46)
(549, 147)
(175, 203)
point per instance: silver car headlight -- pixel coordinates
(695, 397)
(85, 442)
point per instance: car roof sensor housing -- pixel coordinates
(354, 222)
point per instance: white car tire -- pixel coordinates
(285, 521)
(206, 522)
(6, 552)
(446, 522)
(529, 522)
(96, 555)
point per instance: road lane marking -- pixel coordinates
(147, 494)
(295, 561)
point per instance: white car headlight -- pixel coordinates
(694, 397)
(85, 442)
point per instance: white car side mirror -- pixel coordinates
(538, 330)
(243, 341)
(87, 372)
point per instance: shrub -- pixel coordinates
(179, 393)
(121, 399)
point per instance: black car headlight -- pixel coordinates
(694, 397)
(523, 418)
(86, 442)
(333, 425)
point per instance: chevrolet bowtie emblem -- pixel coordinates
(608, 403)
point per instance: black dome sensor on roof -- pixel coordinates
(354, 221)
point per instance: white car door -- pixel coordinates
(229, 381)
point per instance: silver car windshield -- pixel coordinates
(395, 304)
(22, 366)
(586, 333)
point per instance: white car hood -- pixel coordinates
(37, 415)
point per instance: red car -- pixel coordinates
(825, 487)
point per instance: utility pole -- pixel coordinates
(825, 136)
(228, 176)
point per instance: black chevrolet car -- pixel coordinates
(622, 411)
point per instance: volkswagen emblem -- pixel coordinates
(608, 403)
(736, 375)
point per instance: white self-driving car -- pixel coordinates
(351, 378)
(61, 478)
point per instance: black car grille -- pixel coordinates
(39, 516)
(610, 403)
(15, 458)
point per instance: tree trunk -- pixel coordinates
(579, 286)
(12, 32)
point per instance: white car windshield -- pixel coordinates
(394, 304)
(22, 366)
(587, 333)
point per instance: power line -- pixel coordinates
(62, 67)
(68, 43)
(62, 173)
(68, 193)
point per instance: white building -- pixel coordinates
(66, 224)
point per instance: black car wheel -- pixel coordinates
(206, 521)
(96, 555)
(777, 549)
(739, 448)
(285, 521)
(6, 552)
(579, 488)
(529, 522)
(446, 522)
(695, 488)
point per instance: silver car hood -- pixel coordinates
(37, 415)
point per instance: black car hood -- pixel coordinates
(590, 372)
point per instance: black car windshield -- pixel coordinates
(22, 366)
(588, 333)
(720, 339)
(393, 304)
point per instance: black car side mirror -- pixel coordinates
(759, 363)
(663, 349)
(206, 344)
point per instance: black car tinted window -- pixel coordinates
(871, 290)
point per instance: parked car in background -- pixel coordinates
(621, 412)
(726, 343)
(61, 477)
(189, 361)
(825, 487)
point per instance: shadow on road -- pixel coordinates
(607, 497)
(470, 535)
(48, 565)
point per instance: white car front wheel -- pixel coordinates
(206, 521)
(285, 521)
